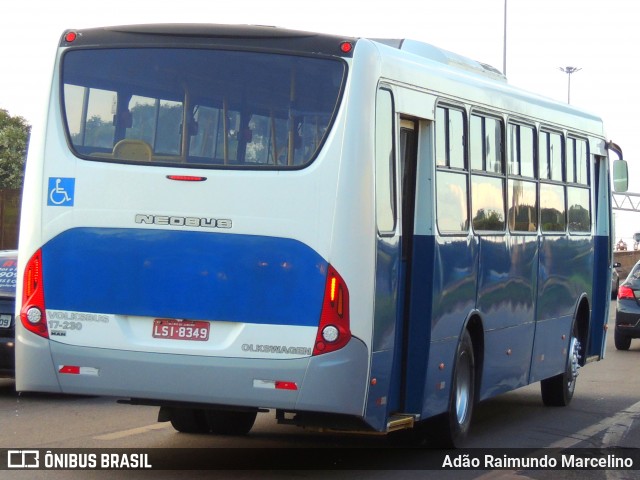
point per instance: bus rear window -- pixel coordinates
(199, 107)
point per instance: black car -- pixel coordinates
(615, 280)
(8, 263)
(628, 310)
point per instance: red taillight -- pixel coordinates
(32, 313)
(346, 47)
(333, 331)
(70, 369)
(70, 37)
(186, 178)
(280, 385)
(625, 292)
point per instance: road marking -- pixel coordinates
(621, 418)
(615, 434)
(615, 428)
(133, 431)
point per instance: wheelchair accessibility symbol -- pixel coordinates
(61, 192)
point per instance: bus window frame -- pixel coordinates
(186, 106)
(393, 161)
(532, 179)
(573, 185)
(447, 168)
(484, 172)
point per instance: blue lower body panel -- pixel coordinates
(183, 274)
(601, 302)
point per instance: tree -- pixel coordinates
(14, 138)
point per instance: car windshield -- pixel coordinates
(635, 273)
(199, 107)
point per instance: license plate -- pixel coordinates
(180, 329)
(5, 321)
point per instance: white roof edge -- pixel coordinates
(446, 57)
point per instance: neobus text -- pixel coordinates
(183, 221)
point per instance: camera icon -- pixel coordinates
(23, 459)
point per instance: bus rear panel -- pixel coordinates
(187, 224)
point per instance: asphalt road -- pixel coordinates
(604, 413)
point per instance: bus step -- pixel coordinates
(401, 421)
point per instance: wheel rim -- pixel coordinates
(574, 363)
(463, 387)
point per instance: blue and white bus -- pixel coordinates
(357, 234)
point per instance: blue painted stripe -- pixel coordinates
(180, 274)
(601, 301)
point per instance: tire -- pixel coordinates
(621, 341)
(189, 420)
(223, 422)
(453, 426)
(558, 391)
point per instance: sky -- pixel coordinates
(599, 37)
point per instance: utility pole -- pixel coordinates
(569, 71)
(504, 44)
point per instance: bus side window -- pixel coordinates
(551, 156)
(385, 164)
(452, 191)
(578, 198)
(522, 192)
(487, 179)
(452, 198)
(552, 208)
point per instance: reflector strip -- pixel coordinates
(69, 369)
(286, 386)
(76, 370)
(275, 384)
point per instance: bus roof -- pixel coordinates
(476, 78)
(437, 54)
(463, 79)
(268, 36)
(234, 36)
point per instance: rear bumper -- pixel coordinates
(334, 383)
(628, 319)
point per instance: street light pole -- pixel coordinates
(569, 71)
(504, 45)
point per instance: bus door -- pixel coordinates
(603, 245)
(408, 150)
(395, 168)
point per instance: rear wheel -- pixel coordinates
(189, 420)
(558, 391)
(622, 341)
(230, 423)
(454, 424)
